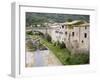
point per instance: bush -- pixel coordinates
(30, 46)
(29, 33)
(48, 37)
(69, 20)
(62, 45)
(54, 43)
(81, 58)
(57, 43)
(39, 33)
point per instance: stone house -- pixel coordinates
(74, 34)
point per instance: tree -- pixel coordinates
(58, 43)
(62, 45)
(69, 20)
(29, 33)
(48, 37)
(39, 21)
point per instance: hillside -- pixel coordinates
(40, 18)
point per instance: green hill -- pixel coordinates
(40, 18)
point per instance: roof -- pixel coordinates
(77, 22)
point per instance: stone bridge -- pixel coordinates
(42, 30)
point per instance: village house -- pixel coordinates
(74, 34)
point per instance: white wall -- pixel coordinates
(5, 39)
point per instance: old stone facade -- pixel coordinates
(74, 34)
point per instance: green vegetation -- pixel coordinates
(29, 33)
(60, 51)
(42, 18)
(62, 45)
(62, 54)
(42, 47)
(80, 58)
(69, 20)
(48, 38)
(38, 33)
(57, 43)
(37, 44)
(30, 46)
(79, 22)
(65, 56)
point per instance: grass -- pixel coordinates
(62, 54)
(80, 58)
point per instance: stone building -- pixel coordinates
(74, 34)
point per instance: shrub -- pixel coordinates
(30, 46)
(62, 45)
(69, 20)
(81, 58)
(57, 43)
(48, 37)
(29, 33)
(68, 59)
(54, 43)
(40, 34)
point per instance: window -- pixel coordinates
(66, 32)
(72, 33)
(85, 35)
(62, 26)
(61, 32)
(82, 41)
(85, 27)
(56, 31)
